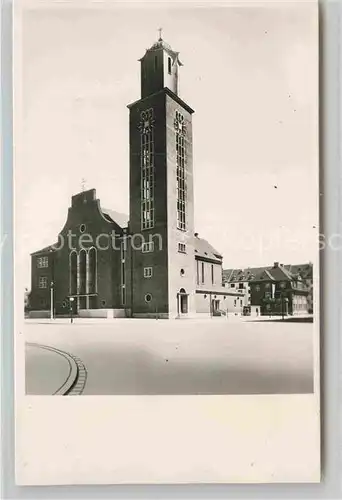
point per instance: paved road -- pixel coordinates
(46, 371)
(184, 357)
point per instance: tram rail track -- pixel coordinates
(75, 383)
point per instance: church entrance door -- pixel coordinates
(182, 302)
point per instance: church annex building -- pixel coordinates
(152, 263)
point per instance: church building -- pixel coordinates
(150, 263)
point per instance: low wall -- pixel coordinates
(102, 313)
(151, 315)
(39, 314)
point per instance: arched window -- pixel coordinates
(73, 273)
(92, 270)
(82, 272)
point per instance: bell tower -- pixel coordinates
(161, 190)
(159, 68)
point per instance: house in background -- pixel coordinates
(278, 292)
(264, 288)
(239, 280)
(304, 272)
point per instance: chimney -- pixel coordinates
(276, 264)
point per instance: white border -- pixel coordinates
(158, 439)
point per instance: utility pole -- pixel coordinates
(71, 303)
(51, 300)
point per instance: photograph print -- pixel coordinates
(167, 193)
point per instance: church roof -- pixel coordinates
(49, 248)
(118, 217)
(204, 250)
(161, 44)
(170, 93)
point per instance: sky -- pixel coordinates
(250, 73)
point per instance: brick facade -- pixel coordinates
(99, 272)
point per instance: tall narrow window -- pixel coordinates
(82, 279)
(92, 271)
(197, 272)
(147, 169)
(123, 273)
(155, 62)
(181, 179)
(202, 272)
(212, 274)
(82, 272)
(73, 273)
(169, 65)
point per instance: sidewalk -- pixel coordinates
(298, 318)
(82, 320)
(194, 319)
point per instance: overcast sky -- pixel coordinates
(250, 73)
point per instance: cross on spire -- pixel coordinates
(160, 34)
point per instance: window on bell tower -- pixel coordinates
(180, 171)
(147, 169)
(169, 65)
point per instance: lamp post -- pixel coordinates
(282, 287)
(71, 307)
(51, 299)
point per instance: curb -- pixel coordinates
(76, 381)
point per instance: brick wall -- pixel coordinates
(182, 267)
(157, 285)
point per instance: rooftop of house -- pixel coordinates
(277, 271)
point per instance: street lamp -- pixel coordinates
(71, 306)
(51, 299)
(282, 286)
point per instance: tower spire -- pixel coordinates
(160, 39)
